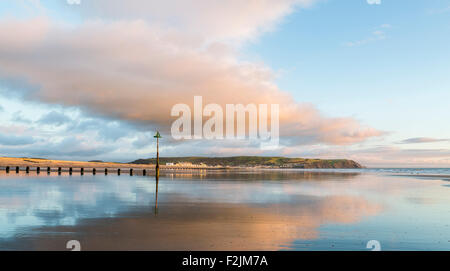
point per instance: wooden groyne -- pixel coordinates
(10, 164)
(94, 171)
(81, 171)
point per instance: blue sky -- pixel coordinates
(383, 67)
(400, 83)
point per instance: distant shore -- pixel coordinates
(268, 162)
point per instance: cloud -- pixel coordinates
(210, 20)
(90, 137)
(74, 2)
(439, 11)
(406, 157)
(378, 156)
(67, 148)
(15, 140)
(378, 34)
(54, 118)
(418, 140)
(374, 2)
(19, 118)
(105, 129)
(143, 140)
(73, 146)
(136, 71)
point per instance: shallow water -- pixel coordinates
(256, 210)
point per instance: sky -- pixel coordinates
(93, 80)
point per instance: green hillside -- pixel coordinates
(255, 161)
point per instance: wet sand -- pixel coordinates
(265, 210)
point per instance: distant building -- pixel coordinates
(170, 164)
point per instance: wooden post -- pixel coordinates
(17, 169)
(82, 171)
(131, 172)
(118, 171)
(38, 170)
(157, 153)
(157, 136)
(94, 171)
(144, 172)
(70, 171)
(59, 170)
(49, 169)
(7, 169)
(27, 170)
(106, 171)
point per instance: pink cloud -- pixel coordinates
(137, 69)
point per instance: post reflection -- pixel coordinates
(156, 192)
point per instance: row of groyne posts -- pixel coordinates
(118, 171)
(94, 170)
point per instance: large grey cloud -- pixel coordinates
(129, 62)
(134, 71)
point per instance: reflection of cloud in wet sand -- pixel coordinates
(208, 226)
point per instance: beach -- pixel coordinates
(224, 210)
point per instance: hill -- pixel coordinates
(254, 161)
